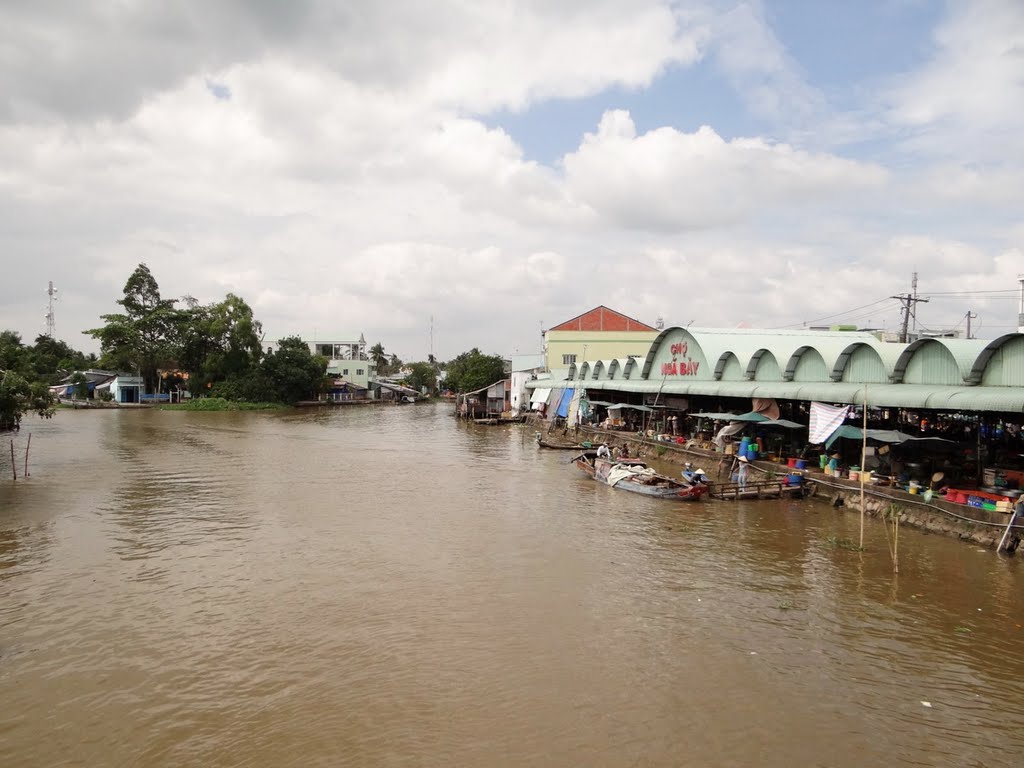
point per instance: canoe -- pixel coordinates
(560, 446)
(635, 476)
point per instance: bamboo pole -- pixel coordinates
(895, 541)
(863, 461)
(27, 446)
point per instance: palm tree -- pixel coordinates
(379, 356)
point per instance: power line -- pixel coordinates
(837, 314)
(970, 293)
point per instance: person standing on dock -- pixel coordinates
(742, 472)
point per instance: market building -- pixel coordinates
(970, 393)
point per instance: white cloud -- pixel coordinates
(965, 102)
(673, 181)
(349, 172)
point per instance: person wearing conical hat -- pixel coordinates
(743, 472)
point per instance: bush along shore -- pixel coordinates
(220, 404)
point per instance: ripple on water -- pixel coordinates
(379, 586)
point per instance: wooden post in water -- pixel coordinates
(863, 461)
(14, 467)
(895, 541)
(27, 446)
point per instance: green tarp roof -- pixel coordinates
(881, 435)
(754, 417)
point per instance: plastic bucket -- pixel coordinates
(854, 475)
(913, 489)
(801, 464)
(791, 463)
(752, 451)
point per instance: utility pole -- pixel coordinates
(908, 303)
(1020, 314)
(51, 325)
(970, 316)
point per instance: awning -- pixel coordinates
(881, 435)
(953, 398)
(540, 395)
(752, 417)
(617, 406)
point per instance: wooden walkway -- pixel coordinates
(766, 489)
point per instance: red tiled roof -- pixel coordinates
(602, 319)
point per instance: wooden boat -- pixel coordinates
(634, 475)
(560, 446)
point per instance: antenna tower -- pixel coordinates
(51, 325)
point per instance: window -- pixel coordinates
(568, 359)
(359, 371)
(344, 371)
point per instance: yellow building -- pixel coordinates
(599, 334)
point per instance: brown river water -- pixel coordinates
(388, 587)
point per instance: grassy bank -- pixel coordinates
(220, 404)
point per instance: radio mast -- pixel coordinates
(51, 326)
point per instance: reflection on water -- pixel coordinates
(384, 586)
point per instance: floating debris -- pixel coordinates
(926, 704)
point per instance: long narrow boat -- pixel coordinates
(634, 475)
(560, 446)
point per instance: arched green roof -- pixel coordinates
(693, 361)
(964, 352)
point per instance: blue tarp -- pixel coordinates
(563, 404)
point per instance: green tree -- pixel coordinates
(422, 375)
(53, 359)
(379, 357)
(472, 370)
(141, 339)
(19, 396)
(292, 372)
(14, 356)
(218, 342)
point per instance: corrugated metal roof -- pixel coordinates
(1009, 399)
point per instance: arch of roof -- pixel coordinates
(729, 368)
(938, 361)
(676, 353)
(572, 372)
(806, 364)
(583, 372)
(866, 360)
(990, 365)
(598, 369)
(763, 366)
(631, 367)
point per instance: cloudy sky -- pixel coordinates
(367, 165)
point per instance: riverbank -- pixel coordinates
(960, 521)
(206, 404)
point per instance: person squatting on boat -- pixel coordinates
(692, 475)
